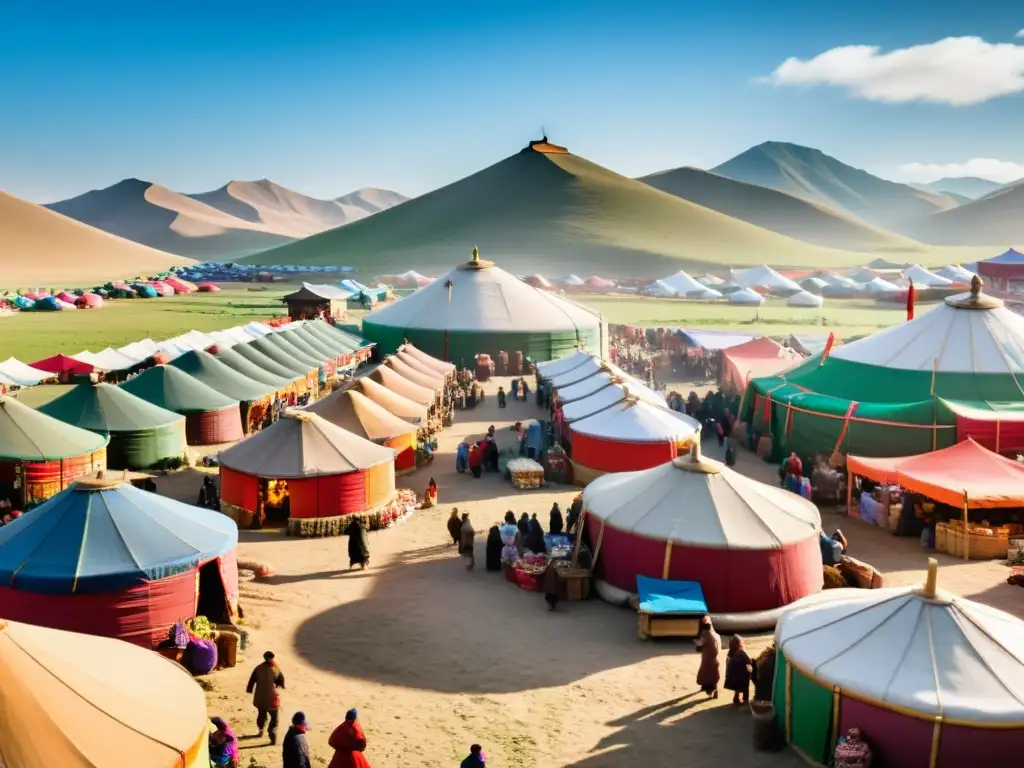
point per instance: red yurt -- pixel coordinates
(628, 435)
(105, 558)
(753, 547)
(306, 472)
(89, 301)
(440, 366)
(400, 385)
(355, 412)
(402, 407)
(755, 359)
(40, 455)
(208, 288)
(433, 382)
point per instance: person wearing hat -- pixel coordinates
(348, 743)
(476, 758)
(264, 682)
(296, 749)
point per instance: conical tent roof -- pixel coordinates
(325, 349)
(880, 285)
(415, 375)
(79, 701)
(480, 297)
(303, 444)
(257, 356)
(578, 373)
(22, 375)
(402, 386)
(101, 536)
(28, 435)
(607, 397)
(899, 647)
(401, 406)
(329, 333)
(173, 389)
(206, 368)
(279, 356)
(804, 299)
(764, 277)
(421, 368)
(584, 389)
(355, 412)
(682, 283)
(234, 360)
(288, 348)
(105, 408)
(633, 420)
(297, 340)
(746, 296)
(922, 276)
(702, 503)
(553, 368)
(439, 366)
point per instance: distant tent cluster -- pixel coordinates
(245, 273)
(44, 300)
(571, 283)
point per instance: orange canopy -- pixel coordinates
(988, 479)
(754, 359)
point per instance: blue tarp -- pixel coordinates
(715, 339)
(661, 596)
(1009, 257)
(88, 540)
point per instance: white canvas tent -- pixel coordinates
(682, 283)
(923, 277)
(18, 374)
(609, 396)
(956, 273)
(804, 299)
(764, 277)
(746, 297)
(552, 368)
(878, 285)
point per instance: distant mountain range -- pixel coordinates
(238, 219)
(994, 218)
(967, 188)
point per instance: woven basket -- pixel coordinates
(940, 537)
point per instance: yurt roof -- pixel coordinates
(311, 348)
(804, 299)
(278, 356)
(80, 701)
(401, 406)
(968, 333)
(397, 383)
(956, 273)
(105, 536)
(349, 341)
(288, 348)
(29, 435)
(634, 420)
(243, 365)
(585, 388)
(903, 648)
(682, 283)
(746, 296)
(703, 503)
(706, 294)
(661, 288)
(354, 411)
(480, 297)
(23, 375)
(429, 381)
(421, 367)
(607, 397)
(206, 368)
(578, 373)
(332, 342)
(173, 389)
(763, 276)
(552, 368)
(303, 444)
(429, 360)
(104, 407)
(922, 276)
(880, 285)
(1010, 256)
(108, 359)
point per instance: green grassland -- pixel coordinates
(33, 335)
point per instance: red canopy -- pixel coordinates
(988, 479)
(62, 364)
(753, 359)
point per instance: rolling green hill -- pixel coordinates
(813, 175)
(546, 210)
(993, 219)
(778, 211)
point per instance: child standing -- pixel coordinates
(738, 669)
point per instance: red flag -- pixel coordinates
(910, 301)
(828, 348)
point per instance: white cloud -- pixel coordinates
(958, 71)
(989, 168)
(1020, 34)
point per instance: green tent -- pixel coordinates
(344, 341)
(259, 355)
(30, 435)
(142, 435)
(479, 308)
(232, 358)
(289, 349)
(280, 357)
(314, 342)
(204, 367)
(925, 384)
(173, 389)
(303, 345)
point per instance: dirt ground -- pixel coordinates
(436, 658)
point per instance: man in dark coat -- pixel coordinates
(264, 683)
(296, 750)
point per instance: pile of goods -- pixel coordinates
(528, 573)
(526, 474)
(834, 578)
(198, 646)
(986, 542)
(398, 508)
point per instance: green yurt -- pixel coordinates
(955, 371)
(254, 396)
(479, 308)
(142, 435)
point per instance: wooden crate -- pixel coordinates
(666, 625)
(577, 583)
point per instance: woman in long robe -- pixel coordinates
(455, 526)
(358, 544)
(467, 540)
(555, 523)
(710, 672)
(494, 548)
(535, 538)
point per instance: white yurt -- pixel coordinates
(752, 547)
(956, 273)
(880, 285)
(551, 368)
(706, 294)
(930, 679)
(764, 277)
(746, 297)
(606, 398)
(660, 288)
(682, 283)
(804, 299)
(814, 285)
(923, 277)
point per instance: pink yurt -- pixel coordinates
(89, 301)
(628, 435)
(66, 297)
(751, 546)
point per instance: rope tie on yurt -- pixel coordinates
(597, 547)
(836, 456)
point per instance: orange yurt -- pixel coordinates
(402, 407)
(355, 412)
(400, 385)
(426, 380)
(306, 473)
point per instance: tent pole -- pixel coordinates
(933, 759)
(597, 547)
(580, 528)
(835, 717)
(849, 491)
(668, 560)
(967, 530)
(789, 703)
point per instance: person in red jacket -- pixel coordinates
(348, 743)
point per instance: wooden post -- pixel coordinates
(597, 547)
(580, 528)
(997, 435)
(967, 530)
(668, 560)
(933, 760)
(849, 491)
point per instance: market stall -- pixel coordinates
(963, 480)
(930, 679)
(77, 701)
(106, 558)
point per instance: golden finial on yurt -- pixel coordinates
(976, 285)
(476, 255)
(931, 584)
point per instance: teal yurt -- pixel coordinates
(142, 435)
(478, 308)
(955, 371)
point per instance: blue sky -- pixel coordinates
(410, 96)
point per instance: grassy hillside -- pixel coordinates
(552, 213)
(778, 211)
(994, 218)
(813, 175)
(39, 247)
(969, 187)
